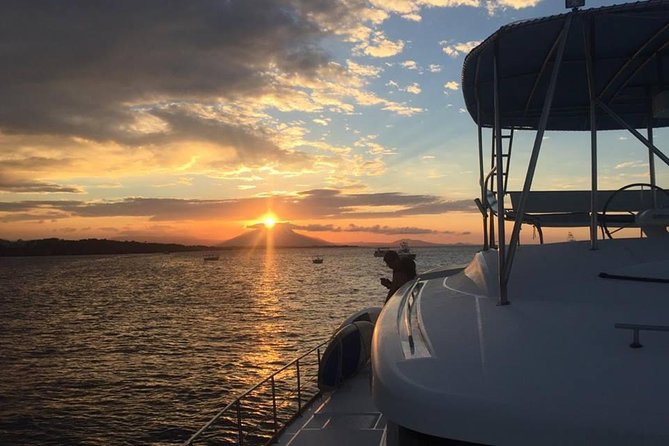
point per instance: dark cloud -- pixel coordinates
(313, 204)
(88, 68)
(33, 163)
(317, 228)
(376, 229)
(379, 229)
(331, 202)
(22, 206)
(40, 216)
(28, 186)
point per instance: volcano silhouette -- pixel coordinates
(280, 236)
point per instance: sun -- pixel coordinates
(269, 222)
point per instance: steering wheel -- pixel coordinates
(627, 220)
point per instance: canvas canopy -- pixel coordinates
(629, 48)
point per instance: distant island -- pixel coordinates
(279, 237)
(60, 247)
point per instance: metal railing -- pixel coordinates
(277, 425)
(636, 328)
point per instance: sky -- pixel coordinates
(192, 121)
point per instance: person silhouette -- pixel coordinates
(404, 270)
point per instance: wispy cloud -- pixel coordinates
(27, 186)
(410, 64)
(413, 88)
(452, 85)
(493, 5)
(458, 48)
(631, 165)
(380, 46)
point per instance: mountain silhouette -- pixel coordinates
(281, 236)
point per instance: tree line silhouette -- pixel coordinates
(56, 246)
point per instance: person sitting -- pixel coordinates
(404, 270)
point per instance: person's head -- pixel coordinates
(392, 259)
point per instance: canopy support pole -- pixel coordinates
(633, 131)
(491, 225)
(590, 71)
(501, 248)
(651, 156)
(484, 201)
(543, 122)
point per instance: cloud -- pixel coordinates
(380, 46)
(375, 229)
(434, 68)
(412, 17)
(310, 204)
(408, 8)
(321, 121)
(413, 88)
(452, 85)
(363, 70)
(402, 109)
(143, 87)
(409, 64)
(383, 229)
(493, 5)
(449, 3)
(458, 48)
(631, 165)
(90, 69)
(317, 228)
(18, 185)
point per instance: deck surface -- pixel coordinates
(346, 416)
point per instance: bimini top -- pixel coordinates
(630, 51)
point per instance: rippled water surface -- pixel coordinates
(144, 349)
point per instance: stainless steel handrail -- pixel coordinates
(236, 403)
(636, 328)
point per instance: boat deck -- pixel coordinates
(347, 416)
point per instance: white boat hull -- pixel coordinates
(550, 368)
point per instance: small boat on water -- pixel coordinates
(210, 257)
(317, 259)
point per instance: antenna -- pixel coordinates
(574, 4)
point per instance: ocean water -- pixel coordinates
(144, 349)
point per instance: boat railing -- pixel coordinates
(289, 393)
(636, 328)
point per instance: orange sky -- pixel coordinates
(344, 119)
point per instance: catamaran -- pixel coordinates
(559, 343)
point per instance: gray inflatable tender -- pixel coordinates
(347, 353)
(370, 314)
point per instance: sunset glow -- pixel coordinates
(269, 222)
(346, 119)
